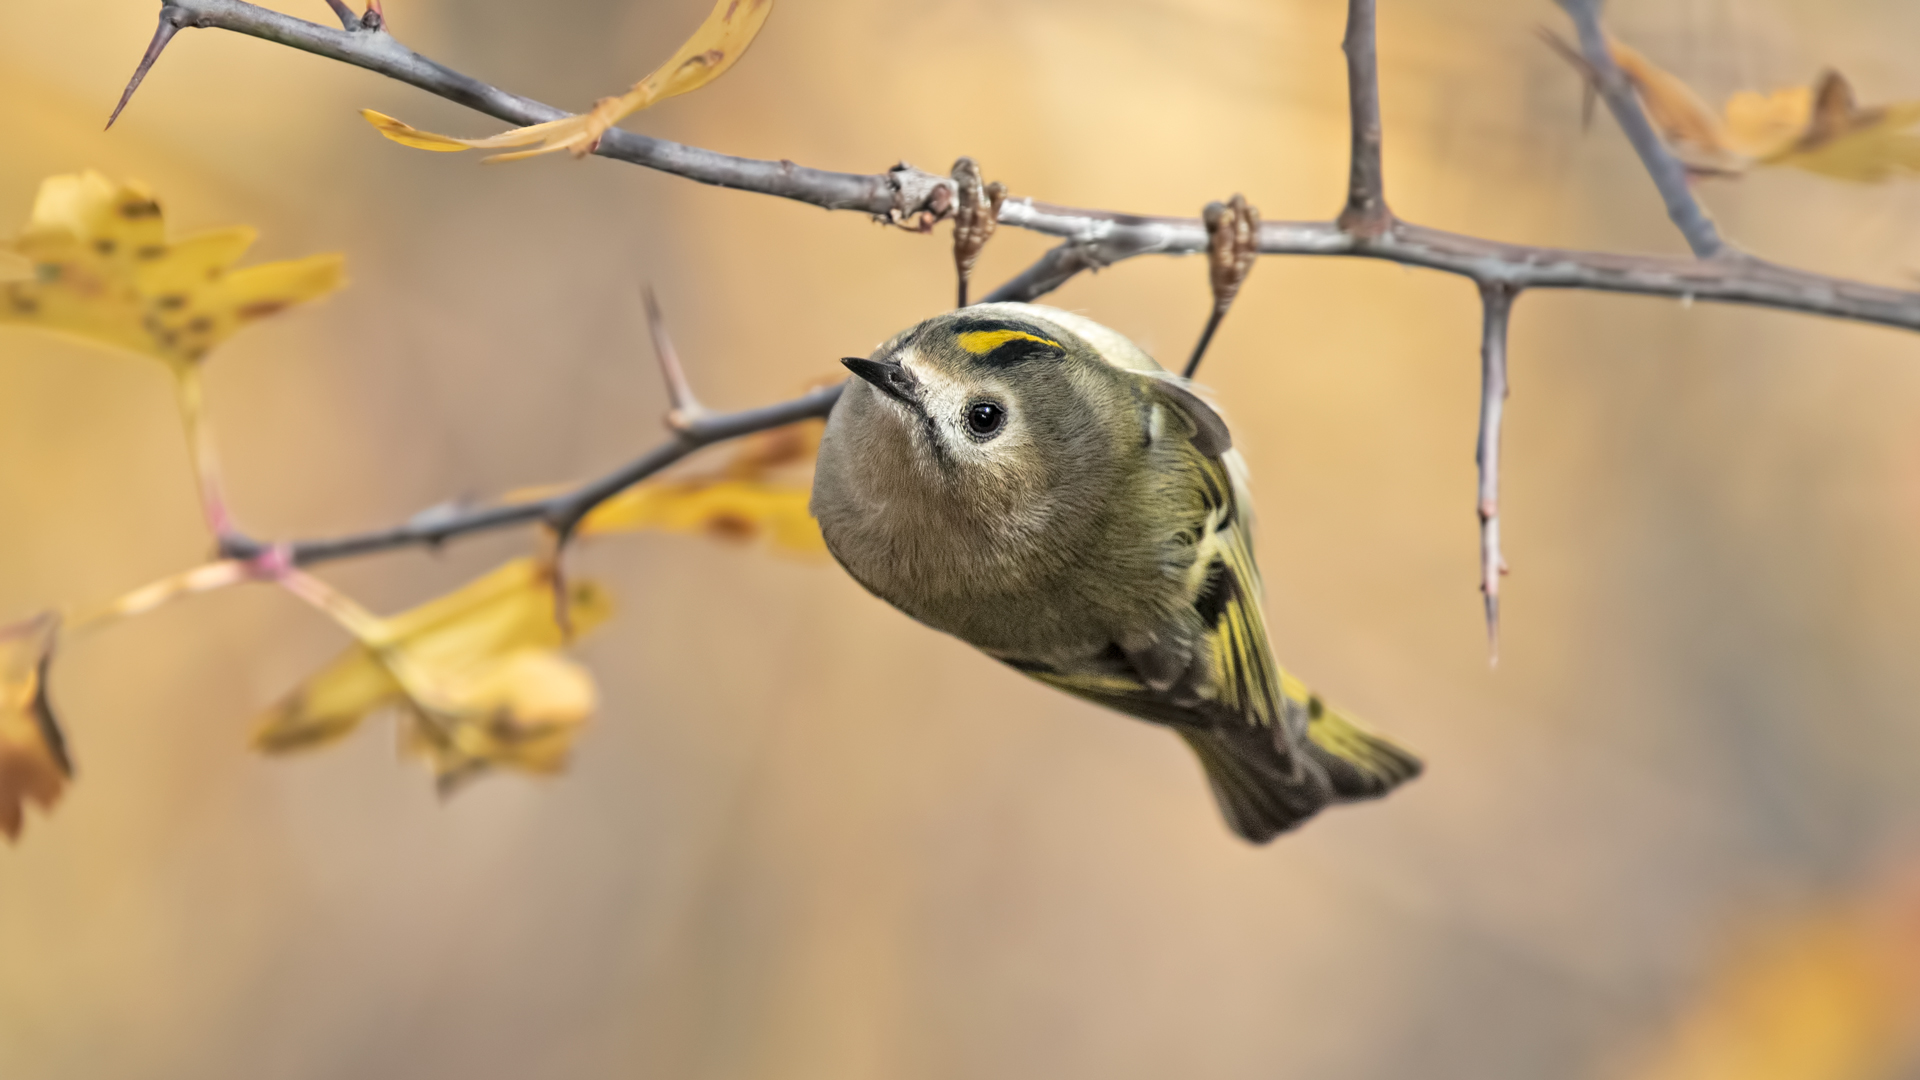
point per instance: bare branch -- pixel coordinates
(1496, 302)
(1233, 230)
(1668, 174)
(169, 26)
(1366, 212)
(901, 195)
(563, 512)
(1101, 237)
(1745, 281)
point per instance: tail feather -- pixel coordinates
(1261, 792)
(1360, 763)
(1264, 792)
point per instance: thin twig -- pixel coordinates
(1668, 174)
(207, 474)
(1101, 237)
(1366, 213)
(1496, 302)
(563, 512)
(683, 408)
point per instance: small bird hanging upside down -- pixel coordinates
(1032, 483)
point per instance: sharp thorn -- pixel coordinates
(683, 408)
(348, 20)
(161, 35)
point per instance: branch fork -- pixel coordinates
(1092, 238)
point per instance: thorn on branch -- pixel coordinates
(684, 410)
(348, 20)
(1496, 300)
(171, 20)
(1233, 243)
(375, 18)
(974, 220)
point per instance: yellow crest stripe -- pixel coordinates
(980, 342)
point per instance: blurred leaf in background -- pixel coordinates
(477, 676)
(1817, 128)
(750, 496)
(33, 754)
(1832, 995)
(104, 270)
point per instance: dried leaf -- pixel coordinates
(713, 48)
(731, 509)
(743, 500)
(33, 753)
(1819, 128)
(104, 270)
(1850, 143)
(477, 677)
(1688, 125)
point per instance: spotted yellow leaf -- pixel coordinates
(751, 496)
(477, 676)
(729, 28)
(733, 509)
(101, 267)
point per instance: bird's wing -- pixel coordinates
(1211, 667)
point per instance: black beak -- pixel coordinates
(890, 378)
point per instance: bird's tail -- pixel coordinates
(1264, 792)
(1361, 764)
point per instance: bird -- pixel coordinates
(1035, 484)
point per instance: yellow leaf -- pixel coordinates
(1818, 128)
(1762, 125)
(743, 500)
(33, 753)
(477, 677)
(1847, 142)
(1687, 124)
(734, 509)
(104, 270)
(719, 41)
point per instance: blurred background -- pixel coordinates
(1676, 834)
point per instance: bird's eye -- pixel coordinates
(984, 418)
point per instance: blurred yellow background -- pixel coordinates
(809, 838)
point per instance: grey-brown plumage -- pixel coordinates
(1034, 484)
